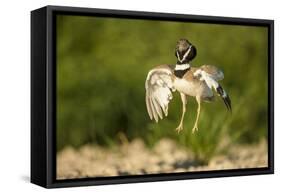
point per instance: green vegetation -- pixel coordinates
(102, 65)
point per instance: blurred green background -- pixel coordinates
(102, 64)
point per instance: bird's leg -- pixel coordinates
(183, 99)
(195, 128)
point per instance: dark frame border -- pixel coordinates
(43, 102)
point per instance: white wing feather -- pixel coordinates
(210, 79)
(158, 87)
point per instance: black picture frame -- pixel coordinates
(43, 96)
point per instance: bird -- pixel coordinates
(198, 82)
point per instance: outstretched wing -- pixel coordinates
(158, 87)
(214, 72)
(211, 75)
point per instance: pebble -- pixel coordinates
(164, 157)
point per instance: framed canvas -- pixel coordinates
(126, 96)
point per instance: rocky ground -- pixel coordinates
(166, 156)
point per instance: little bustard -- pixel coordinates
(197, 82)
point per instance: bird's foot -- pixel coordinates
(195, 128)
(179, 128)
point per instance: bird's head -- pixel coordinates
(185, 51)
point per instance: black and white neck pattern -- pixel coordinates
(181, 69)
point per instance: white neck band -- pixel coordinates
(182, 66)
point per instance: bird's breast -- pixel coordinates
(192, 87)
(187, 87)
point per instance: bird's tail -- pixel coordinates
(221, 92)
